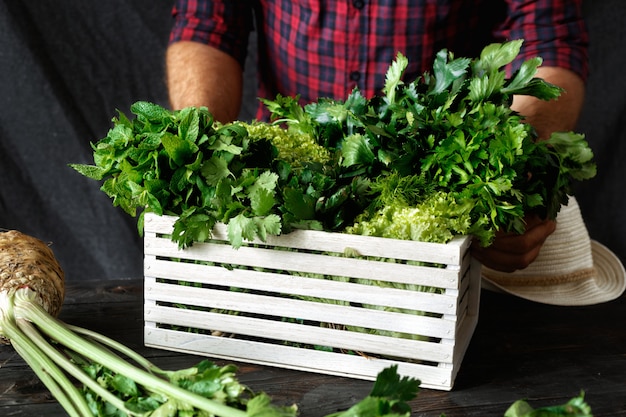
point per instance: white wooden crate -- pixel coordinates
(260, 303)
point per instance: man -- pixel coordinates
(326, 48)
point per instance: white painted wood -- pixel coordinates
(279, 331)
(269, 301)
(328, 289)
(284, 261)
(392, 321)
(449, 253)
(346, 365)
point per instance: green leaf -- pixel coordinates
(204, 387)
(149, 140)
(388, 397)
(267, 181)
(239, 228)
(268, 225)
(120, 136)
(389, 384)
(575, 407)
(537, 88)
(301, 205)
(261, 406)
(124, 385)
(224, 143)
(393, 77)
(151, 112)
(356, 103)
(179, 150)
(485, 87)
(519, 408)
(192, 226)
(189, 124)
(572, 146)
(167, 409)
(328, 111)
(287, 109)
(215, 169)
(446, 73)
(523, 75)
(356, 149)
(262, 201)
(90, 171)
(496, 55)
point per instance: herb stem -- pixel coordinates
(119, 347)
(26, 307)
(46, 370)
(63, 362)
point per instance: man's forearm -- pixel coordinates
(200, 75)
(560, 115)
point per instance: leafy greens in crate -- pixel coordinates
(430, 158)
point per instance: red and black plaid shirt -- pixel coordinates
(325, 48)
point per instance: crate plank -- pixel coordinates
(347, 292)
(351, 366)
(277, 332)
(450, 253)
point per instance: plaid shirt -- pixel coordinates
(325, 48)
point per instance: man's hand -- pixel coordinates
(513, 251)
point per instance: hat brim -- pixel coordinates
(608, 284)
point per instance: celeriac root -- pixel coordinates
(26, 261)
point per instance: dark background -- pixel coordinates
(66, 67)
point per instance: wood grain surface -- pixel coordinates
(520, 349)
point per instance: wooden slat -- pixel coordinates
(312, 287)
(307, 263)
(448, 254)
(291, 332)
(304, 310)
(353, 366)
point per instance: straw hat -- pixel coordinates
(571, 269)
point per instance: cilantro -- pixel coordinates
(388, 397)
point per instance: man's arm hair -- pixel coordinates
(201, 75)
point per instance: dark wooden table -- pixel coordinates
(520, 349)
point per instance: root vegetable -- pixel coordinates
(26, 261)
(112, 375)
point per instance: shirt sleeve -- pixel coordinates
(225, 24)
(555, 30)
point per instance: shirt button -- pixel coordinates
(355, 76)
(358, 4)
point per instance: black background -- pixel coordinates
(66, 67)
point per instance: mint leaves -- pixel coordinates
(181, 163)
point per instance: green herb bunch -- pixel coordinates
(445, 146)
(449, 132)
(182, 163)
(257, 178)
